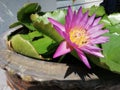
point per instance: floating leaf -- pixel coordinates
(23, 15)
(105, 21)
(111, 51)
(98, 10)
(42, 44)
(92, 10)
(42, 24)
(58, 15)
(34, 17)
(114, 18)
(20, 45)
(34, 44)
(111, 54)
(15, 24)
(48, 30)
(114, 29)
(34, 34)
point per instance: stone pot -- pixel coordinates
(25, 73)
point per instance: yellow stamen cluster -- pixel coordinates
(78, 36)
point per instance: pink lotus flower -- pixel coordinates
(80, 33)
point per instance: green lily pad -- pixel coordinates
(15, 24)
(48, 30)
(20, 45)
(111, 54)
(34, 17)
(92, 10)
(98, 10)
(41, 45)
(29, 8)
(34, 34)
(23, 15)
(114, 18)
(111, 51)
(114, 29)
(34, 44)
(105, 21)
(43, 25)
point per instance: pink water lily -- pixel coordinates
(80, 33)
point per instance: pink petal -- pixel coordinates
(95, 28)
(67, 22)
(68, 18)
(99, 40)
(90, 21)
(70, 13)
(92, 51)
(59, 31)
(63, 48)
(83, 58)
(79, 13)
(59, 27)
(67, 38)
(91, 47)
(98, 33)
(96, 21)
(84, 19)
(74, 20)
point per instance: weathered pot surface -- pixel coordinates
(56, 75)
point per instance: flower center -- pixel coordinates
(78, 36)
